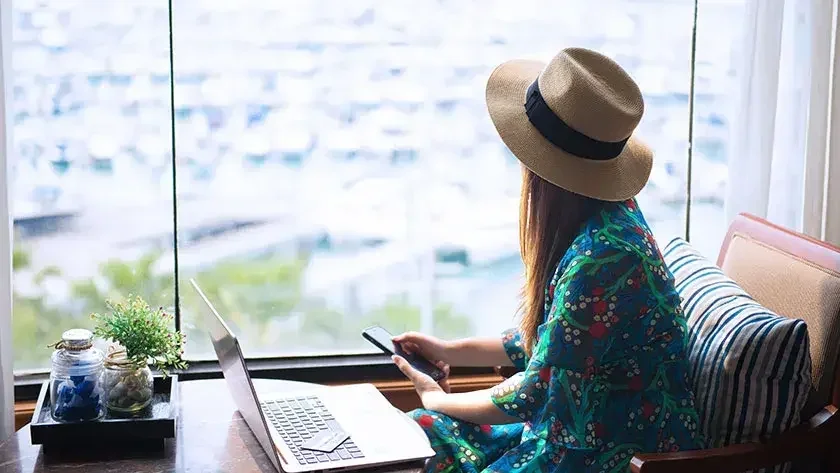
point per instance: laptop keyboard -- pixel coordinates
(298, 420)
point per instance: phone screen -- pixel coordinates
(382, 339)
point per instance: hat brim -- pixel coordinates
(617, 179)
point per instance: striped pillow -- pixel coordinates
(750, 368)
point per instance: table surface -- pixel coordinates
(211, 437)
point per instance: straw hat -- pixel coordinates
(571, 122)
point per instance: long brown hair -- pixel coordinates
(549, 220)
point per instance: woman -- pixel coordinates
(600, 346)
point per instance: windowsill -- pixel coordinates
(319, 370)
(398, 390)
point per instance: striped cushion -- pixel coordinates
(750, 368)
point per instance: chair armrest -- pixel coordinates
(809, 438)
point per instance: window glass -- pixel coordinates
(720, 26)
(336, 166)
(90, 168)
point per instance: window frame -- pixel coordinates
(331, 369)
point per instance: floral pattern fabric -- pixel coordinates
(607, 377)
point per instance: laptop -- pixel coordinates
(366, 428)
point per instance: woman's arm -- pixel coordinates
(476, 407)
(483, 352)
(477, 351)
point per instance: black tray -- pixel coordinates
(145, 429)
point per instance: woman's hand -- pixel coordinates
(431, 348)
(426, 387)
(427, 346)
(475, 406)
(485, 352)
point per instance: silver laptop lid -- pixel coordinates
(236, 376)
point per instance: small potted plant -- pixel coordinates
(140, 335)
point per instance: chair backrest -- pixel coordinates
(794, 276)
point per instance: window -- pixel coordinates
(91, 173)
(333, 162)
(719, 29)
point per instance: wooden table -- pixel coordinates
(212, 437)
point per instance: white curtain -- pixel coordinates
(823, 185)
(780, 164)
(7, 422)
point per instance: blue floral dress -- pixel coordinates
(607, 377)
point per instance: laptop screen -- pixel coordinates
(236, 375)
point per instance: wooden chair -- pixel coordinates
(795, 276)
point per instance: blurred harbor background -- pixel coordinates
(333, 161)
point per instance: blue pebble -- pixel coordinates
(65, 393)
(79, 401)
(85, 388)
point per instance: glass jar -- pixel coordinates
(127, 386)
(75, 394)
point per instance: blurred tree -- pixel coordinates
(258, 289)
(249, 293)
(262, 299)
(118, 279)
(34, 322)
(321, 325)
(448, 324)
(396, 316)
(20, 258)
(325, 329)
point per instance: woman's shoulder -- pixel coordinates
(623, 217)
(616, 227)
(617, 236)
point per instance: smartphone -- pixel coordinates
(382, 339)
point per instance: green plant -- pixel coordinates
(145, 333)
